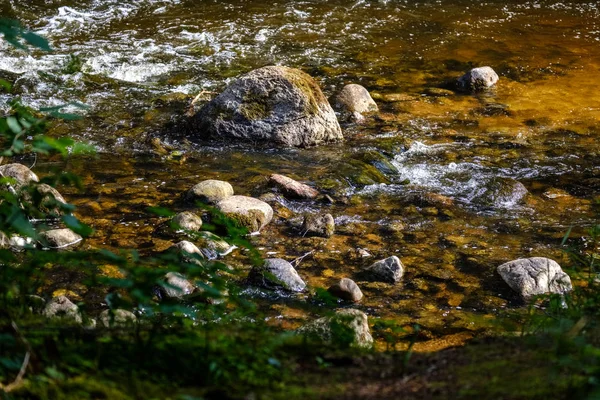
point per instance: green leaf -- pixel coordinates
(14, 125)
(76, 226)
(160, 211)
(83, 148)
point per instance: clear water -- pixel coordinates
(143, 61)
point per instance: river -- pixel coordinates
(436, 178)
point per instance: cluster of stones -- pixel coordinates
(282, 106)
(285, 106)
(23, 183)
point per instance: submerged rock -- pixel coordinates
(187, 220)
(478, 79)
(346, 289)
(346, 327)
(210, 191)
(318, 225)
(293, 189)
(117, 318)
(279, 105)
(502, 192)
(20, 173)
(62, 308)
(249, 212)
(60, 238)
(389, 270)
(535, 276)
(353, 101)
(276, 272)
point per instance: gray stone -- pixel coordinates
(389, 270)
(347, 326)
(276, 272)
(318, 225)
(18, 243)
(210, 191)
(62, 308)
(249, 212)
(177, 286)
(346, 289)
(60, 238)
(20, 173)
(117, 318)
(293, 189)
(188, 251)
(353, 101)
(274, 104)
(535, 276)
(213, 243)
(187, 220)
(51, 200)
(478, 79)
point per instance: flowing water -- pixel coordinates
(453, 184)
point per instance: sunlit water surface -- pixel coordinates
(453, 184)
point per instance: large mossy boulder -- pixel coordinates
(274, 104)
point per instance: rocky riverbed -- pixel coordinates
(452, 180)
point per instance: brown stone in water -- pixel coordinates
(346, 289)
(293, 189)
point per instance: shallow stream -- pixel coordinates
(436, 178)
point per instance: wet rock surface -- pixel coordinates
(187, 220)
(249, 212)
(346, 289)
(478, 79)
(277, 105)
(535, 276)
(276, 272)
(291, 188)
(60, 239)
(188, 251)
(61, 308)
(389, 270)
(318, 225)
(210, 191)
(176, 286)
(348, 326)
(353, 102)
